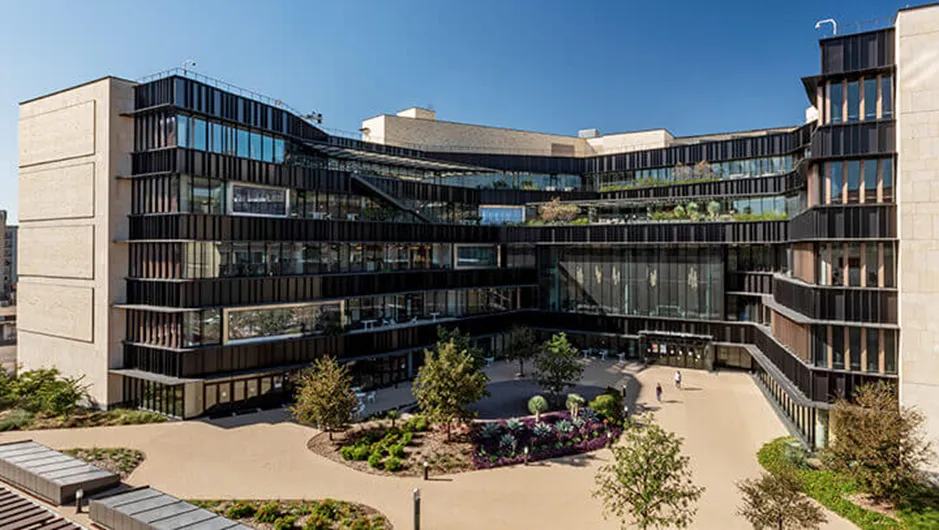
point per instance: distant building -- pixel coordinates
(9, 262)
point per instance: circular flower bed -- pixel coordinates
(503, 443)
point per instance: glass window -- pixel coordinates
(853, 169)
(870, 98)
(482, 256)
(854, 342)
(256, 147)
(218, 138)
(182, 131)
(267, 148)
(837, 348)
(854, 101)
(243, 143)
(836, 99)
(837, 264)
(871, 263)
(854, 264)
(199, 134)
(201, 198)
(870, 180)
(889, 266)
(873, 350)
(886, 97)
(258, 201)
(837, 181)
(890, 351)
(886, 168)
(278, 150)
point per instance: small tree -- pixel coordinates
(714, 209)
(463, 343)
(558, 211)
(393, 415)
(448, 384)
(648, 483)
(537, 405)
(557, 367)
(880, 444)
(574, 403)
(776, 502)
(325, 397)
(522, 346)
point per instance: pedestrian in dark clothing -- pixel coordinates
(658, 391)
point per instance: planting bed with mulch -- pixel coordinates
(325, 514)
(555, 434)
(119, 460)
(379, 448)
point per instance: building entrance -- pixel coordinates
(681, 350)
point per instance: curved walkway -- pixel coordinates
(723, 417)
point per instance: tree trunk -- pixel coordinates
(448, 432)
(330, 433)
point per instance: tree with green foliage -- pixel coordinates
(648, 483)
(557, 367)
(45, 391)
(463, 342)
(880, 444)
(448, 383)
(522, 346)
(325, 397)
(537, 405)
(574, 403)
(777, 502)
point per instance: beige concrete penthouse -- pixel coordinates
(73, 145)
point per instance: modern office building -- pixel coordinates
(188, 246)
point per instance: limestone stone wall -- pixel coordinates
(917, 183)
(73, 214)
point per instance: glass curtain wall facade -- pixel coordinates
(780, 240)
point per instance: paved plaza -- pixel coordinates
(723, 417)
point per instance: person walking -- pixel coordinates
(678, 379)
(658, 392)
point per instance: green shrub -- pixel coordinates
(240, 510)
(607, 407)
(392, 464)
(347, 452)
(287, 522)
(364, 523)
(407, 438)
(421, 424)
(827, 487)
(46, 391)
(396, 451)
(15, 420)
(318, 522)
(374, 460)
(268, 513)
(360, 452)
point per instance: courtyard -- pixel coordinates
(723, 417)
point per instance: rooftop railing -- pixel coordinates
(863, 26)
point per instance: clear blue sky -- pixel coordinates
(689, 66)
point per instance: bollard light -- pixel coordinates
(78, 500)
(417, 509)
(426, 469)
(526, 454)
